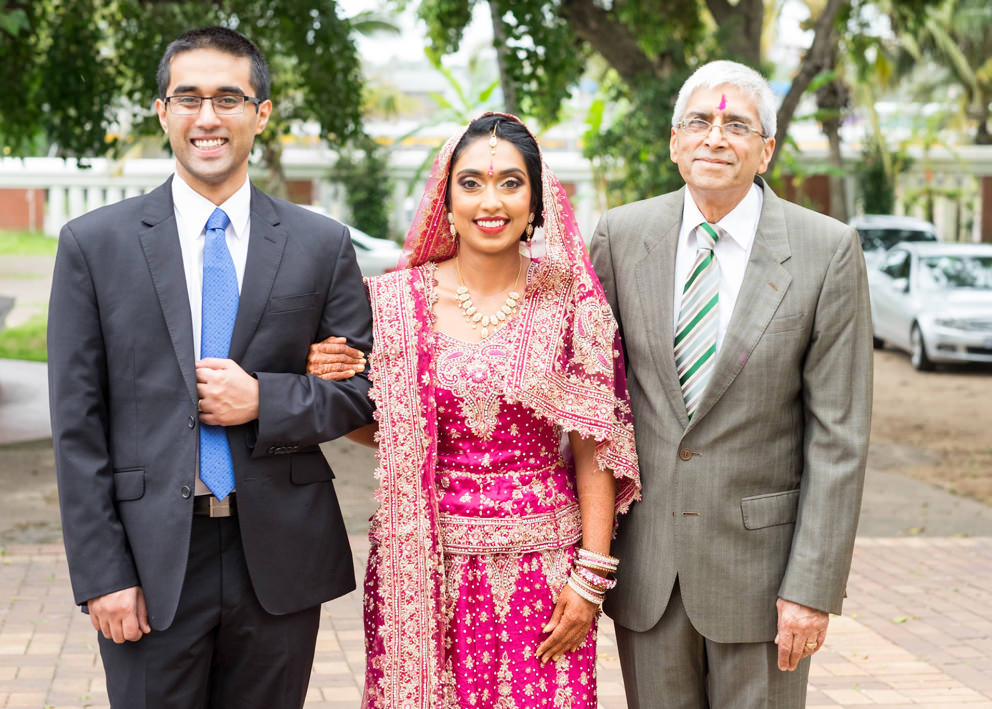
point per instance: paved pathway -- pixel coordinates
(917, 632)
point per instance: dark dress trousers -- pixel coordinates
(124, 403)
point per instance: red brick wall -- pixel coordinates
(22, 209)
(813, 192)
(299, 191)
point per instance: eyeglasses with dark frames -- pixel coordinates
(734, 129)
(223, 105)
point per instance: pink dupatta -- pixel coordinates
(568, 368)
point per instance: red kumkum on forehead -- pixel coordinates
(723, 102)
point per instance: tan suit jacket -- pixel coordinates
(758, 496)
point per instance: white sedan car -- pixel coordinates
(934, 300)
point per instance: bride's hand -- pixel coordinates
(334, 360)
(569, 625)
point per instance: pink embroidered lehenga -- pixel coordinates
(478, 519)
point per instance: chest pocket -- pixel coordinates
(293, 303)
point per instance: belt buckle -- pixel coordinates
(220, 508)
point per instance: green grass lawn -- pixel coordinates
(25, 341)
(26, 243)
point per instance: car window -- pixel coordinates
(887, 238)
(896, 264)
(957, 271)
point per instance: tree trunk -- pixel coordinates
(612, 40)
(272, 159)
(838, 195)
(832, 99)
(742, 24)
(816, 60)
(510, 102)
(982, 136)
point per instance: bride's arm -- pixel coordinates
(597, 490)
(333, 359)
(364, 435)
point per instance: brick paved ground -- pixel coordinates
(917, 632)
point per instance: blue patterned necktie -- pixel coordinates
(219, 310)
(699, 318)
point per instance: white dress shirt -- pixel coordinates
(192, 211)
(731, 254)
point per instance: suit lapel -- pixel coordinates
(655, 275)
(160, 244)
(765, 284)
(266, 242)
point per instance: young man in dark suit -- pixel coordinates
(200, 520)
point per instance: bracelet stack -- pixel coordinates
(585, 580)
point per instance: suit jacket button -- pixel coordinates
(191, 422)
(185, 492)
(685, 454)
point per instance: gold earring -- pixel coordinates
(530, 226)
(451, 224)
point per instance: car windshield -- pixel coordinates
(958, 271)
(887, 238)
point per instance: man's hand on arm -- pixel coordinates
(120, 615)
(801, 632)
(228, 394)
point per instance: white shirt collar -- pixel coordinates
(193, 209)
(741, 223)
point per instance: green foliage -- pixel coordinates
(26, 243)
(446, 22)
(545, 60)
(27, 341)
(79, 64)
(630, 152)
(876, 190)
(364, 174)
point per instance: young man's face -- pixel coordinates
(212, 150)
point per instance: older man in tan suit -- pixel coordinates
(745, 320)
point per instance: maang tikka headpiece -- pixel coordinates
(493, 141)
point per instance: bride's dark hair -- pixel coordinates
(522, 140)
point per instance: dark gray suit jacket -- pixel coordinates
(123, 402)
(758, 496)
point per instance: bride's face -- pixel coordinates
(490, 196)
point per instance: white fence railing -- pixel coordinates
(70, 190)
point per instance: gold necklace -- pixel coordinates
(471, 313)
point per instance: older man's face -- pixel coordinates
(719, 167)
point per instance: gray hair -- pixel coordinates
(742, 77)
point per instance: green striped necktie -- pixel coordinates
(699, 317)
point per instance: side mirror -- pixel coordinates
(900, 284)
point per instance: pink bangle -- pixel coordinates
(595, 580)
(592, 560)
(587, 595)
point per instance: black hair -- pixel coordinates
(223, 40)
(522, 140)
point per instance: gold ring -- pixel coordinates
(810, 646)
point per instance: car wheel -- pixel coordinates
(877, 342)
(918, 351)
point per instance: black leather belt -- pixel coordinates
(210, 506)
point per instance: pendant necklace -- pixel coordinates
(471, 313)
